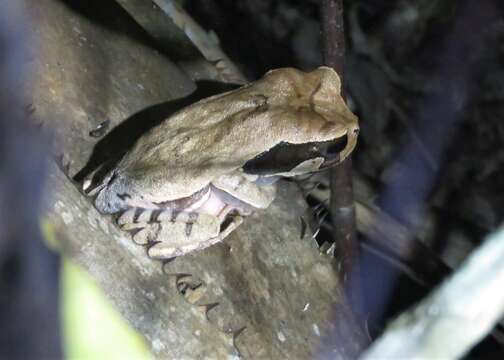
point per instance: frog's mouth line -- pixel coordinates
(285, 157)
(333, 160)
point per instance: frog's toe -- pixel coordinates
(142, 233)
(167, 246)
(173, 233)
(166, 250)
(142, 215)
(160, 250)
(135, 215)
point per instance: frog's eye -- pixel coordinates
(285, 157)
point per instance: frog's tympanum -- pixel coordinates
(187, 183)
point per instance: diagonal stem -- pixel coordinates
(342, 201)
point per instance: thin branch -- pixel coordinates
(333, 32)
(465, 308)
(342, 201)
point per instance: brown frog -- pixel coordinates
(188, 183)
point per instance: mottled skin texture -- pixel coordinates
(182, 184)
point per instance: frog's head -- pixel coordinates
(313, 127)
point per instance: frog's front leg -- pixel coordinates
(175, 233)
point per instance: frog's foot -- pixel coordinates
(176, 233)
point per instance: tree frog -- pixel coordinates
(187, 183)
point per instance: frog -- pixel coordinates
(190, 181)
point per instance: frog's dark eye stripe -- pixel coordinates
(286, 156)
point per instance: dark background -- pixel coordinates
(423, 77)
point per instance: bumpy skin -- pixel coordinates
(207, 143)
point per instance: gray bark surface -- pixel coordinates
(262, 293)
